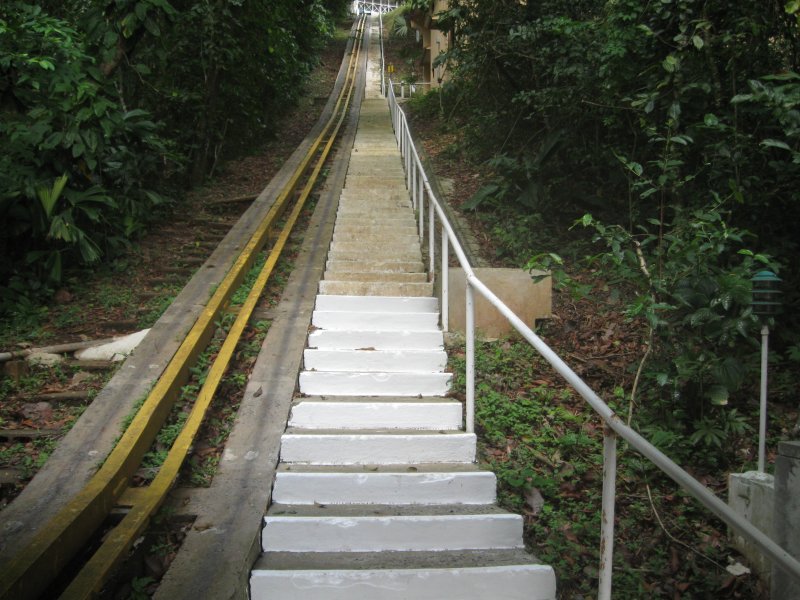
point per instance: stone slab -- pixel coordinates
(752, 496)
(529, 300)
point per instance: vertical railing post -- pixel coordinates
(445, 276)
(413, 187)
(431, 240)
(421, 226)
(607, 515)
(408, 156)
(421, 177)
(414, 194)
(470, 368)
(762, 417)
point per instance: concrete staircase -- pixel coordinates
(377, 494)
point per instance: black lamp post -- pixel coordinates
(766, 304)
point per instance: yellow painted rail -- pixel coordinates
(33, 568)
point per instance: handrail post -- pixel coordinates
(470, 368)
(762, 417)
(408, 157)
(607, 515)
(414, 193)
(419, 181)
(431, 242)
(414, 175)
(421, 226)
(445, 276)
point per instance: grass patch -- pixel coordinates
(545, 446)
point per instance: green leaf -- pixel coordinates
(718, 394)
(711, 119)
(141, 10)
(671, 63)
(49, 197)
(152, 27)
(482, 194)
(775, 144)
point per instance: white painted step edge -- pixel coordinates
(391, 533)
(387, 361)
(377, 449)
(376, 340)
(347, 383)
(472, 487)
(376, 415)
(510, 582)
(379, 304)
(341, 320)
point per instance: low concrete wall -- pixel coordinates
(752, 496)
(787, 516)
(528, 299)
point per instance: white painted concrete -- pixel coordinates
(116, 351)
(336, 266)
(345, 383)
(363, 414)
(377, 304)
(377, 340)
(470, 487)
(346, 320)
(512, 582)
(373, 276)
(386, 361)
(374, 428)
(375, 288)
(378, 448)
(391, 533)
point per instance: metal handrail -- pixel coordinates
(419, 187)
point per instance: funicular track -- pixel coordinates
(36, 565)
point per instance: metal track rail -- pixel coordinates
(35, 566)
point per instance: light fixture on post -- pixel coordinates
(766, 304)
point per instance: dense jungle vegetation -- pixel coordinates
(669, 132)
(108, 109)
(647, 153)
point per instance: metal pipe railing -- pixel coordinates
(614, 426)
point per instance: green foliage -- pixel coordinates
(690, 287)
(102, 102)
(674, 126)
(73, 160)
(546, 449)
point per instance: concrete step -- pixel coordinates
(348, 383)
(377, 340)
(326, 529)
(368, 221)
(377, 214)
(385, 304)
(360, 412)
(375, 239)
(283, 575)
(345, 229)
(376, 484)
(368, 197)
(385, 361)
(339, 266)
(390, 171)
(353, 320)
(384, 202)
(381, 447)
(376, 288)
(365, 276)
(415, 256)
